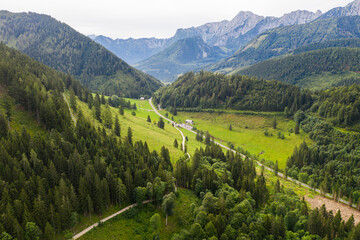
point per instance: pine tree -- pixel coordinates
(121, 110)
(274, 123)
(161, 123)
(3, 126)
(207, 138)
(73, 104)
(176, 145)
(148, 119)
(129, 136)
(297, 128)
(230, 127)
(103, 99)
(117, 126)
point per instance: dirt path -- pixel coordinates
(80, 234)
(346, 211)
(71, 114)
(172, 123)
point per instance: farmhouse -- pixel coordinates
(188, 121)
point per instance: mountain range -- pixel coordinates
(235, 38)
(61, 47)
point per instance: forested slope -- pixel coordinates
(300, 68)
(283, 40)
(48, 180)
(212, 90)
(61, 47)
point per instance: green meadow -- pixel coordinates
(135, 223)
(248, 132)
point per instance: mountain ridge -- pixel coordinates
(59, 46)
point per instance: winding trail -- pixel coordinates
(172, 123)
(80, 234)
(71, 114)
(328, 195)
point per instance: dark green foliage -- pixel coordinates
(331, 162)
(292, 69)
(235, 202)
(161, 123)
(148, 119)
(207, 138)
(61, 47)
(340, 105)
(73, 100)
(208, 90)
(49, 180)
(121, 110)
(274, 123)
(176, 145)
(117, 126)
(3, 126)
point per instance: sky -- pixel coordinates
(156, 18)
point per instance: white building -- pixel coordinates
(142, 98)
(188, 121)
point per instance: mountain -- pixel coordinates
(316, 69)
(230, 35)
(243, 27)
(282, 40)
(182, 56)
(61, 47)
(352, 9)
(132, 50)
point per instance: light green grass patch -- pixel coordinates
(137, 225)
(248, 133)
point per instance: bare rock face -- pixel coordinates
(352, 9)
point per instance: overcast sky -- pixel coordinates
(155, 18)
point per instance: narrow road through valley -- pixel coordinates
(172, 123)
(262, 165)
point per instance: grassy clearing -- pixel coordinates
(325, 80)
(21, 118)
(143, 130)
(248, 133)
(135, 223)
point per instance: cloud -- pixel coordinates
(156, 18)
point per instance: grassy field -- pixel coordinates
(135, 223)
(248, 133)
(143, 130)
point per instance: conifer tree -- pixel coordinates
(117, 126)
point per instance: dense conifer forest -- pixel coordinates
(292, 69)
(212, 90)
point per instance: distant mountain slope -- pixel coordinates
(230, 35)
(352, 9)
(132, 50)
(328, 66)
(181, 57)
(282, 40)
(61, 47)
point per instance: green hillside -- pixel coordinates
(282, 40)
(183, 56)
(317, 69)
(212, 90)
(61, 47)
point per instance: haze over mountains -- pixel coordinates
(232, 37)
